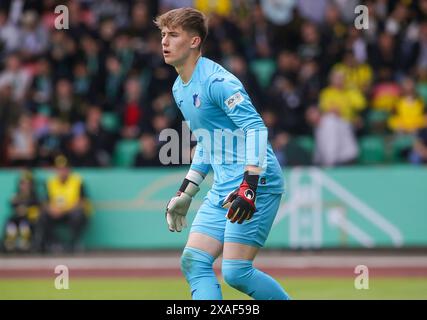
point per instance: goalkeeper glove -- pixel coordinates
(241, 202)
(177, 207)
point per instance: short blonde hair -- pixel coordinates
(190, 19)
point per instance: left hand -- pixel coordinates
(241, 202)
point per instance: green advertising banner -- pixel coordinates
(334, 208)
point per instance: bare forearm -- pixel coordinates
(253, 169)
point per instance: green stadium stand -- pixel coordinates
(399, 146)
(377, 121)
(263, 70)
(125, 152)
(372, 149)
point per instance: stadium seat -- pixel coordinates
(372, 149)
(377, 121)
(125, 152)
(299, 151)
(399, 147)
(263, 70)
(306, 143)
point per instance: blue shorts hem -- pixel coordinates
(207, 233)
(252, 243)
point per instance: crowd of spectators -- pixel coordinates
(82, 91)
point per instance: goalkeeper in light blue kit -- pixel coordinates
(237, 213)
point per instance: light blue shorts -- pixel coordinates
(210, 220)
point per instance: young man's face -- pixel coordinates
(177, 45)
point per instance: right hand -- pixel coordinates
(176, 210)
(177, 207)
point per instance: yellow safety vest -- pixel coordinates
(64, 195)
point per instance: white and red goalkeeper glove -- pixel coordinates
(177, 207)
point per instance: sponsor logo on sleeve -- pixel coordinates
(234, 100)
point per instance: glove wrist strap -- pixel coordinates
(195, 177)
(251, 179)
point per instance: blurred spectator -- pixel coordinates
(110, 8)
(62, 54)
(22, 144)
(51, 143)
(66, 203)
(83, 86)
(114, 80)
(91, 55)
(166, 5)
(81, 20)
(278, 144)
(9, 115)
(385, 53)
(151, 57)
(418, 154)
(421, 12)
(80, 152)
(102, 142)
(148, 154)
(422, 84)
(357, 43)
(288, 66)
(398, 19)
(10, 111)
(272, 122)
(309, 82)
(20, 226)
(160, 122)
(161, 77)
(133, 111)
(335, 142)
(345, 102)
(409, 111)
(312, 10)
(288, 103)
(107, 31)
(239, 67)
(34, 37)
(9, 34)
(164, 104)
(279, 12)
(421, 57)
(42, 86)
(346, 9)
(261, 35)
(219, 7)
(16, 76)
(122, 48)
(140, 24)
(66, 105)
(375, 22)
(358, 76)
(334, 134)
(334, 33)
(310, 47)
(386, 92)
(384, 97)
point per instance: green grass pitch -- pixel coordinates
(176, 288)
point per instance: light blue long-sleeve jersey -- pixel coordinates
(229, 131)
